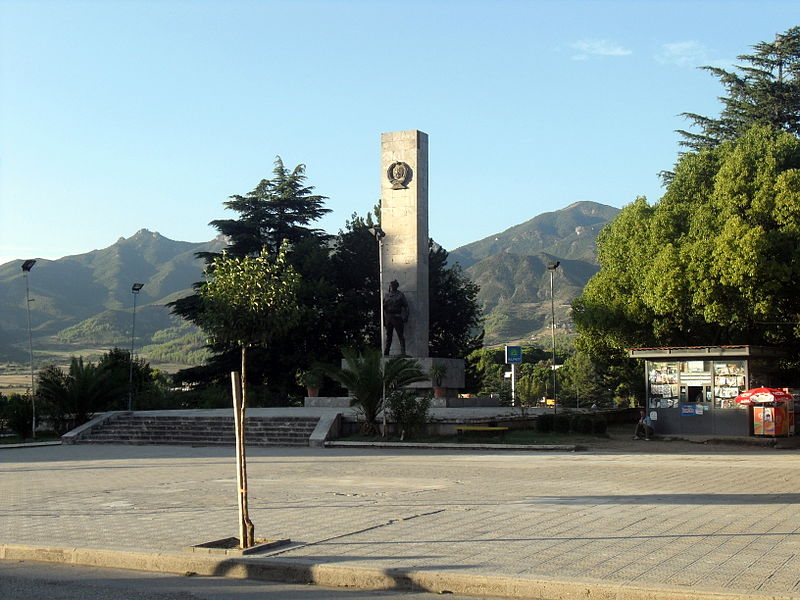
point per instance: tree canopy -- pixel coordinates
(338, 291)
(278, 209)
(716, 261)
(248, 301)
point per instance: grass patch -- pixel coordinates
(41, 436)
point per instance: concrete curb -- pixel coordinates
(29, 445)
(327, 426)
(438, 446)
(72, 437)
(364, 578)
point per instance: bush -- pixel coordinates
(544, 423)
(561, 423)
(582, 424)
(409, 412)
(599, 426)
(17, 414)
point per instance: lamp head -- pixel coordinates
(552, 266)
(377, 232)
(136, 287)
(28, 265)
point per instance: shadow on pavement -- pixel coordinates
(328, 571)
(689, 499)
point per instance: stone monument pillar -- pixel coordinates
(404, 219)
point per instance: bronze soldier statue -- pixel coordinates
(395, 316)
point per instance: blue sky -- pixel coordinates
(122, 115)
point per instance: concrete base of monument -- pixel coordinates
(230, 546)
(327, 402)
(453, 379)
(474, 402)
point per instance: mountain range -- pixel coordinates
(511, 270)
(83, 303)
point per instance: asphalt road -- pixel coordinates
(37, 581)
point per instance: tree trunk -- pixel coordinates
(246, 515)
(246, 529)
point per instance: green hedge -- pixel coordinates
(576, 423)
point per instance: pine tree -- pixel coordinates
(765, 90)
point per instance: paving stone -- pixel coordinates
(722, 521)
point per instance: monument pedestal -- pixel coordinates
(453, 379)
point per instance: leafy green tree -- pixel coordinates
(532, 383)
(486, 368)
(366, 375)
(716, 261)
(765, 91)
(248, 301)
(339, 293)
(409, 411)
(16, 413)
(355, 274)
(71, 398)
(581, 382)
(148, 383)
(455, 321)
(281, 208)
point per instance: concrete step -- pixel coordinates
(166, 429)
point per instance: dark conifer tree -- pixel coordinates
(765, 90)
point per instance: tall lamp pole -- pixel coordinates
(26, 268)
(379, 234)
(552, 266)
(135, 289)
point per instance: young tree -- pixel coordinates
(281, 208)
(245, 302)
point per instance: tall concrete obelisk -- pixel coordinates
(404, 219)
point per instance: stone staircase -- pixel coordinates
(132, 428)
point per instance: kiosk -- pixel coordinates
(693, 389)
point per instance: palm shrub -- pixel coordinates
(366, 374)
(73, 397)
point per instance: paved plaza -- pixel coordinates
(660, 521)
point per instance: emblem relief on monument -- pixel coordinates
(399, 175)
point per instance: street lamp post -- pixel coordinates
(552, 266)
(135, 289)
(26, 268)
(379, 234)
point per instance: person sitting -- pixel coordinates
(644, 427)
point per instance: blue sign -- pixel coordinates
(513, 354)
(688, 410)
